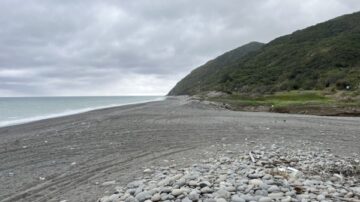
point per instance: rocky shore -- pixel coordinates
(86, 156)
(264, 174)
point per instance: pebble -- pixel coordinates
(204, 184)
(147, 170)
(279, 174)
(273, 188)
(142, 196)
(256, 182)
(177, 192)
(220, 200)
(131, 199)
(194, 196)
(222, 193)
(206, 190)
(286, 199)
(236, 198)
(320, 197)
(265, 199)
(192, 183)
(135, 184)
(108, 183)
(277, 195)
(156, 197)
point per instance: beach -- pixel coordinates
(84, 156)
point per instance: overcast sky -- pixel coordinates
(135, 47)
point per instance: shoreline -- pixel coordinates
(82, 157)
(70, 113)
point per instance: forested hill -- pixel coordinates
(326, 55)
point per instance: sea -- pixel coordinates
(17, 110)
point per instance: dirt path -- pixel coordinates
(69, 158)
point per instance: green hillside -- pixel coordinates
(206, 77)
(324, 56)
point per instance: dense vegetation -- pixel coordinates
(324, 56)
(207, 77)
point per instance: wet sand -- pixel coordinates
(69, 158)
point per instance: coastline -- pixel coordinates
(82, 157)
(70, 112)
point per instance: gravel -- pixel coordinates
(278, 174)
(134, 143)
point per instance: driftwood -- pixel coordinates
(292, 169)
(252, 157)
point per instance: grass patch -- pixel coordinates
(278, 99)
(309, 102)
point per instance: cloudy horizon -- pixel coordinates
(68, 48)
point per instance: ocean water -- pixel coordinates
(16, 110)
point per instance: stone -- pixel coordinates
(220, 200)
(237, 179)
(206, 190)
(135, 184)
(166, 190)
(256, 182)
(277, 195)
(104, 199)
(186, 199)
(236, 198)
(209, 200)
(147, 171)
(156, 197)
(255, 176)
(356, 189)
(222, 193)
(349, 195)
(261, 192)
(131, 191)
(139, 190)
(286, 199)
(247, 197)
(303, 196)
(230, 189)
(177, 192)
(204, 184)
(181, 182)
(311, 182)
(320, 197)
(265, 199)
(142, 196)
(290, 193)
(154, 191)
(273, 188)
(131, 199)
(267, 177)
(194, 196)
(192, 183)
(108, 183)
(241, 188)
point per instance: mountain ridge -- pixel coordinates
(322, 56)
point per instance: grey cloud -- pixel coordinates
(76, 47)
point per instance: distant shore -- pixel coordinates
(82, 157)
(66, 111)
